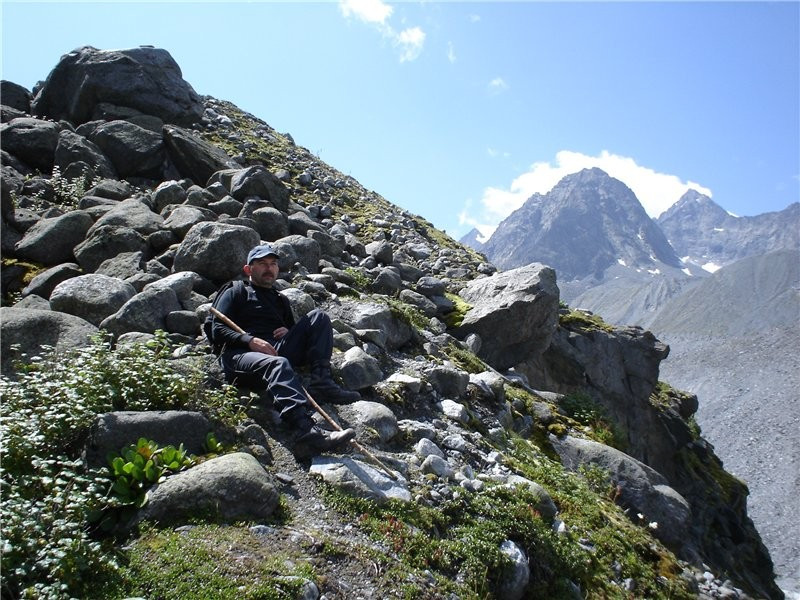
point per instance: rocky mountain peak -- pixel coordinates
(586, 224)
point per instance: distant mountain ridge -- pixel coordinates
(705, 234)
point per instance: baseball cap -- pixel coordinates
(260, 252)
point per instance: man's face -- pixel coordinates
(263, 271)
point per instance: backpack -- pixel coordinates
(239, 286)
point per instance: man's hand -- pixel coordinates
(280, 332)
(259, 345)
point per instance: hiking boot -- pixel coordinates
(317, 439)
(324, 389)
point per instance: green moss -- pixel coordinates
(464, 359)
(456, 316)
(582, 321)
(207, 561)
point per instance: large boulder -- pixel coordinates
(15, 96)
(132, 149)
(145, 79)
(641, 490)
(515, 314)
(31, 329)
(32, 141)
(194, 157)
(133, 214)
(91, 297)
(217, 251)
(298, 248)
(111, 432)
(145, 312)
(233, 487)
(258, 181)
(45, 282)
(359, 479)
(74, 148)
(364, 315)
(53, 241)
(107, 242)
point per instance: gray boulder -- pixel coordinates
(232, 487)
(641, 489)
(374, 316)
(111, 189)
(107, 242)
(381, 251)
(258, 181)
(300, 302)
(448, 381)
(431, 286)
(271, 223)
(133, 150)
(194, 157)
(298, 248)
(513, 586)
(358, 369)
(73, 148)
(183, 218)
(387, 282)
(111, 432)
(300, 224)
(181, 283)
(359, 479)
(420, 302)
(374, 415)
(146, 312)
(32, 329)
(123, 265)
(46, 281)
(132, 213)
(32, 141)
(166, 193)
(53, 241)
(217, 251)
(145, 79)
(15, 96)
(91, 297)
(515, 313)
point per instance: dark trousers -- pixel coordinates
(309, 342)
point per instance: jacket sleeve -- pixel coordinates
(227, 304)
(288, 315)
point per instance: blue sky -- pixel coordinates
(459, 111)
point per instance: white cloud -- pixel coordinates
(451, 53)
(409, 41)
(369, 11)
(497, 85)
(656, 191)
(474, 18)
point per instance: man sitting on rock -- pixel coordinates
(274, 345)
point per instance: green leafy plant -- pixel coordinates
(212, 446)
(48, 492)
(583, 409)
(140, 465)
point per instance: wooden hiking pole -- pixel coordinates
(222, 317)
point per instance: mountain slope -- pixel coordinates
(733, 341)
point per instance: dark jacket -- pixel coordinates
(259, 311)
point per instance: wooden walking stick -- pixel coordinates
(222, 317)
